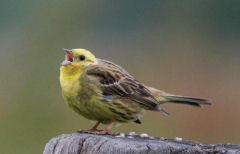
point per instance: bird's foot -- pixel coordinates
(89, 131)
(105, 132)
(97, 132)
(94, 130)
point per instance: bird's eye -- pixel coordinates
(82, 58)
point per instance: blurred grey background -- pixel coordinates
(184, 47)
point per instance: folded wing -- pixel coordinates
(115, 81)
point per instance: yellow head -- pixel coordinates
(76, 60)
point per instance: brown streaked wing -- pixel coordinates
(115, 81)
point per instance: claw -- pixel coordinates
(94, 130)
(104, 132)
(90, 131)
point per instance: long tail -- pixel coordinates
(184, 100)
(164, 97)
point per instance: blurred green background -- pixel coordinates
(183, 47)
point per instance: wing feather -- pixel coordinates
(117, 82)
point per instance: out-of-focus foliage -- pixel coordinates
(184, 47)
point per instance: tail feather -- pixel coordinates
(185, 100)
(164, 97)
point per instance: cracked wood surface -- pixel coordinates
(125, 144)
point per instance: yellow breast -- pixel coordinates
(70, 82)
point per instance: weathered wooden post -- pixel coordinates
(130, 144)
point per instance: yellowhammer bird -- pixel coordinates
(104, 92)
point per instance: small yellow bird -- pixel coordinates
(102, 91)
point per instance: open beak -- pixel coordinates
(68, 57)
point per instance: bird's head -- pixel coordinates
(78, 58)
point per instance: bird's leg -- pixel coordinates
(107, 130)
(109, 127)
(92, 130)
